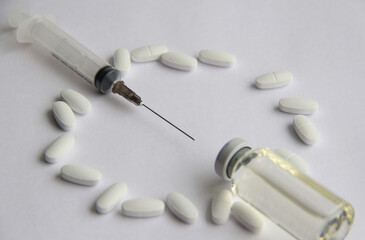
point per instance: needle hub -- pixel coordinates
(124, 91)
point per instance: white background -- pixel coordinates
(321, 42)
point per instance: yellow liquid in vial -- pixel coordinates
(292, 200)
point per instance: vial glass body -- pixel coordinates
(288, 197)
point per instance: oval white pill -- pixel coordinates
(122, 61)
(179, 61)
(76, 101)
(221, 206)
(217, 58)
(63, 115)
(247, 216)
(182, 207)
(80, 174)
(295, 160)
(59, 148)
(148, 53)
(107, 201)
(143, 208)
(298, 105)
(305, 129)
(273, 79)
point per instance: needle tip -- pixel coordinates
(168, 122)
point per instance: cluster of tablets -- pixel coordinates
(181, 206)
(303, 126)
(179, 61)
(65, 117)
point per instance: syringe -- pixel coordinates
(43, 30)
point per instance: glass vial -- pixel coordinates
(288, 197)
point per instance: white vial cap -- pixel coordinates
(225, 155)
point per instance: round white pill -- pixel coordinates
(59, 148)
(247, 216)
(305, 129)
(273, 80)
(110, 198)
(148, 53)
(76, 101)
(122, 61)
(64, 115)
(143, 208)
(221, 206)
(217, 58)
(298, 105)
(80, 175)
(182, 207)
(179, 61)
(295, 160)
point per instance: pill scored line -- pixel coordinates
(149, 49)
(273, 80)
(276, 78)
(305, 129)
(148, 53)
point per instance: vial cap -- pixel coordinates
(225, 155)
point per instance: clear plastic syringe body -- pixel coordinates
(287, 196)
(42, 29)
(67, 49)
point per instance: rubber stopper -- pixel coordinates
(225, 155)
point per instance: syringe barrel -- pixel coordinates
(66, 49)
(42, 30)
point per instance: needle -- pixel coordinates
(144, 105)
(121, 89)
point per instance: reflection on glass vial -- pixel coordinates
(288, 197)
